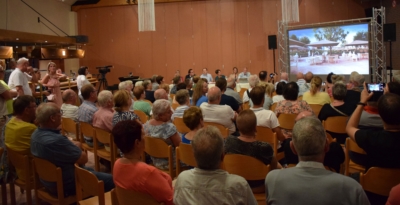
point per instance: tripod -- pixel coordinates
(103, 82)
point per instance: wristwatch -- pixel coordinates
(360, 103)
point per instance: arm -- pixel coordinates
(159, 186)
(82, 159)
(279, 134)
(45, 80)
(32, 75)
(176, 139)
(6, 95)
(20, 90)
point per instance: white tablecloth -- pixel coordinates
(238, 86)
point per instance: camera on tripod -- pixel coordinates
(104, 69)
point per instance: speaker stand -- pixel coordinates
(390, 61)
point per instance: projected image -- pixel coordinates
(321, 50)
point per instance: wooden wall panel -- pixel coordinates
(257, 37)
(131, 40)
(312, 11)
(200, 36)
(159, 43)
(228, 55)
(326, 11)
(242, 34)
(172, 37)
(340, 9)
(185, 36)
(213, 17)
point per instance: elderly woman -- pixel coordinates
(81, 80)
(193, 119)
(199, 92)
(279, 91)
(161, 127)
(140, 103)
(128, 86)
(315, 96)
(122, 103)
(52, 81)
(130, 172)
(103, 117)
(183, 99)
(253, 82)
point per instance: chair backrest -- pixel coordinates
(247, 167)
(180, 125)
(286, 121)
(174, 105)
(157, 147)
(336, 124)
(330, 138)
(87, 184)
(102, 136)
(300, 97)
(184, 153)
(246, 105)
(148, 101)
(265, 134)
(125, 196)
(316, 108)
(114, 199)
(380, 180)
(86, 130)
(224, 131)
(68, 125)
(241, 92)
(142, 116)
(351, 145)
(273, 106)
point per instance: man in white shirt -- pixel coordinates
(253, 81)
(306, 86)
(69, 108)
(300, 79)
(20, 77)
(284, 78)
(214, 112)
(206, 75)
(207, 183)
(244, 74)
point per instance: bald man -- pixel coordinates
(284, 78)
(160, 94)
(306, 86)
(214, 112)
(69, 108)
(300, 79)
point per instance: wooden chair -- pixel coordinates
(180, 125)
(125, 196)
(148, 102)
(142, 116)
(265, 134)
(246, 105)
(184, 153)
(3, 184)
(158, 148)
(241, 92)
(20, 161)
(87, 184)
(171, 96)
(87, 131)
(114, 199)
(70, 126)
(286, 121)
(107, 152)
(300, 98)
(47, 171)
(249, 168)
(175, 105)
(273, 106)
(336, 124)
(350, 166)
(224, 131)
(316, 108)
(380, 180)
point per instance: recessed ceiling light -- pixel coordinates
(45, 41)
(17, 39)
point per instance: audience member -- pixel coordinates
(183, 99)
(81, 80)
(160, 94)
(69, 108)
(279, 91)
(175, 81)
(130, 172)
(189, 86)
(244, 74)
(88, 108)
(140, 103)
(193, 186)
(149, 91)
(166, 88)
(268, 92)
(329, 84)
(4, 96)
(128, 86)
(253, 82)
(159, 81)
(230, 90)
(178, 73)
(284, 78)
(392, 87)
(199, 93)
(206, 75)
(309, 182)
(11, 67)
(122, 103)
(235, 73)
(52, 82)
(226, 99)
(300, 79)
(190, 74)
(153, 81)
(315, 96)
(103, 118)
(20, 76)
(355, 87)
(262, 75)
(219, 75)
(307, 85)
(193, 119)
(12, 93)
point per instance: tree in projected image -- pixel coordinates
(331, 33)
(294, 37)
(305, 40)
(361, 35)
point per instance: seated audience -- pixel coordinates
(122, 103)
(315, 96)
(279, 91)
(160, 94)
(207, 183)
(159, 81)
(230, 90)
(262, 75)
(88, 108)
(284, 78)
(309, 182)
(222, 114)
(149, 92)
(307, 85)
(334, 79)
(69, 108)
(269, 90)
(193, 119)
(253, 82)
(161, 127)
(130, 172)
(175, 81)
(226, 99)
(183, 99)
(329, 84)
(199, 93)
(103, 118)
(300, 79)
(140, 103)
(355, 86)
(47, 143)
(189, 86)
(128, 86)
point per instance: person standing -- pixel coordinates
(52, 81)
(20, 77)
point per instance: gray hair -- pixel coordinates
(339, 91)
(67, 94)
(104, 97)
(309, 138)
(22, 61)
(44, 111)
(182, 96)
(355, 77)
(124, 84)
(160, 107)
(253, 80)
(139, 83)
(230, 81)
(208, 148)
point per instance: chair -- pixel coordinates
(87, 131)
(273, 106)
(70, 126)
(47, 171)
(171, 96)
(286, 121)
(87, 184)
(184, 153)
(114, 200)
(380, 180)
(300, 98)
(316, 108)
(249, 168)
(180, 125)
(148, 102)
(224, 131)
(265, 134)
(107, 152)
(175, 105)
(246, 105)
(142, 116)
(158, 148)
(336, 124)
(350, 166)
(20, 160)
(125, 196)
(241, 92)
(3, 184)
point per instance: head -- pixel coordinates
(193, 118)
(205, 70)
(122, 100)
(162, 110)
(160, 94)
(208, 148)
(105, 99)
(11, 64)
(284, 76)
(221, 84)
(234, 70)
(196, 79)
(316, 83)
(309, 77)
(309, 140)
(37, 73)
(24, 107)
(329, 77)
(48, 115)
(160, 79)
(392, 87)
(339, 91)
(200, 90)
(126, 85)
(336, 78)
(138, 92)
(356, 79)
(245, 70)
(231, 83)
(253, 80)
(23, 64)
(89, 93)
(182, 97)
(129, 136)
(147, 85)
(299, 76)
(165, 87)
(257, 95)
(153, 78)
(389, 109)
(181, 86)
(189, 83)
(247, 123)
(269, 89)
(214, 95)
(59, 71)
(279, 88)
(291, 91)
(218, 71)
(262, 75)
(176, 80)
(191, 72)
(69, 97)
(52, 68)
(83, 70)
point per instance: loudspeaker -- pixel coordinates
(272, 42)
(81, 38)
(389, 32)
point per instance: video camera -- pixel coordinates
(271, 75)
(104, 69)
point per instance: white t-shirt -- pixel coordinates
(265, 118)
(70, 111)
(81, 81)
(245, 96)
(277, 98)
(18, 78)
(222, 114)
(3, 104)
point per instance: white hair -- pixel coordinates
(139, 83)
(355, 77)
(253, 80)
(123, 85)
(160, 107)
(104, 97)
(22, 61)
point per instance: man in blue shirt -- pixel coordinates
(88, 107)
(206, 75)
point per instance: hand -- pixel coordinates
(45, 93)
(365, 96)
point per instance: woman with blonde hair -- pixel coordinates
(315, 96)
(199, 91)
(52, 81)
(123, 103)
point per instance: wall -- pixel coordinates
(197, 34)
(393, 16)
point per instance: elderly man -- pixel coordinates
(356, 83)
(300, 79)
(206, 75)
(230, 89)
(88, 107)
(244, 74)
(253, 82)
(226, 99)
(284, 78)
(47, 143)
(182, 97)
(69, 108)
(309, 182)
(207, 183)
(20, 77)
(306, 86)
(103, 117)
(214, 112)
(160, 94)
